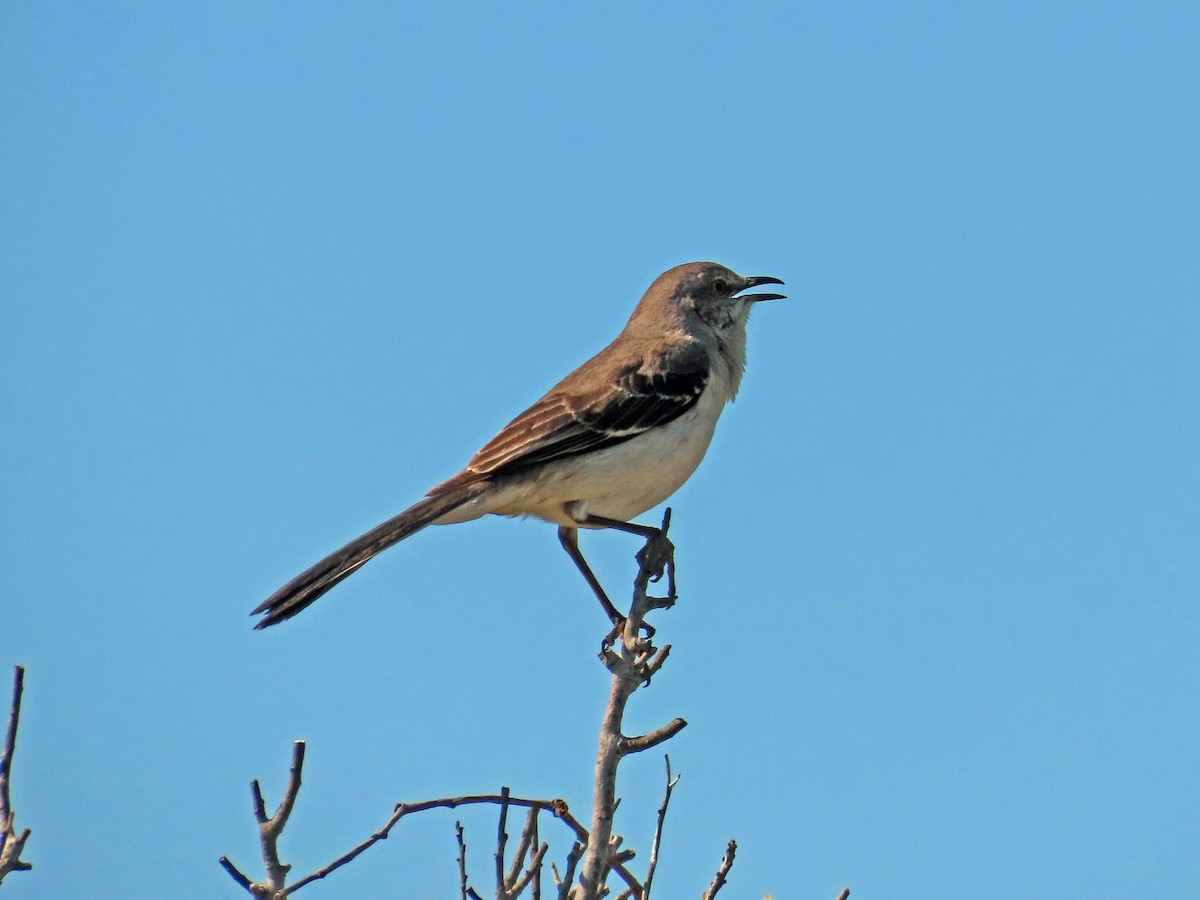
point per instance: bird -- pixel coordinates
(613, 439)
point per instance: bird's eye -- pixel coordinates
(721, 286)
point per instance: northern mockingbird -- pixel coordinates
(614, 438)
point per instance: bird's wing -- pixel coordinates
(572, 419)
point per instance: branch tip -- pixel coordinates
(718, 881)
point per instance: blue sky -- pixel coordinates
(270, 271)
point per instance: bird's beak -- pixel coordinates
(755, 281)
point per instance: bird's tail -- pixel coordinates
(314, 581)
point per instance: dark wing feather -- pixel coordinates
(641, 395)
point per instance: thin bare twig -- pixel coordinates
(535, 887)
(718, 881)
(236, 874)
(658, 829)
(564, 883)
(325, 870)
(516, 881)
(501, 840)
(531, 874)
(462, 861)
(11, 843)
(518, 860)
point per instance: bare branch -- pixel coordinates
(564, 883)
(379, 835)
(514, 871)
(557, 807)
(10, 737)
(462, 861)
(269, 830)
(236, 874)
(535, 889)
(11, 843)
(258, 802)
(530, 875)
(658, 829)
(656, 663)
(501, 840)
(632, 661)
(653, 739)
(718, 881)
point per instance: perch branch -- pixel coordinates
(11, 843)
(632, 660)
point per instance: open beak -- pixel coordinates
(755, 281)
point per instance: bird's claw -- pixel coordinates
(611, 638)
(618, 630)
(657, 557)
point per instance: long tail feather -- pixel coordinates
(314, 581)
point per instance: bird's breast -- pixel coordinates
(621, 481)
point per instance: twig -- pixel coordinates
(462, 861)
(236, 874)
(535, 887)
(557, 807)
(718, 881)
(11, 843)
(642, 742)
(564, 883)
(658, 829)
(269, 830)
(325, 870)
(531, 874)
(515, 881)
(501, 840)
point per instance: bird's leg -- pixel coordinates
(657, 557)
(569, 538)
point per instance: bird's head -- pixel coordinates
(705, 296)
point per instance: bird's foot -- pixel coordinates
(656, 559)
(618, 631)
